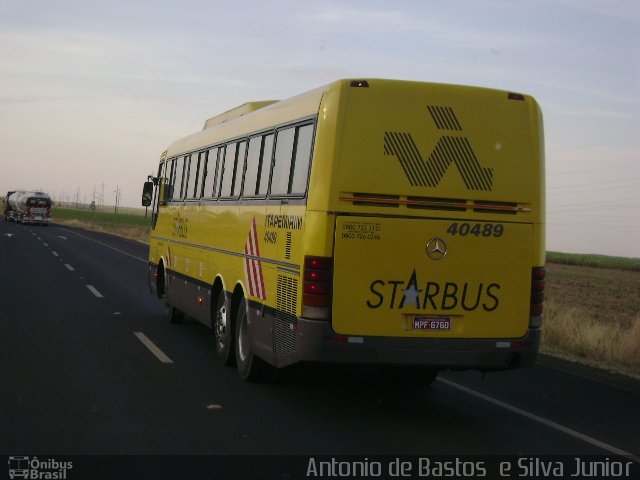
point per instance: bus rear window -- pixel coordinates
(291, 162)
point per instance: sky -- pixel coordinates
(91, 93)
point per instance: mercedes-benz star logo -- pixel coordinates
(436, 249)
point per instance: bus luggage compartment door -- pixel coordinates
(404, 277)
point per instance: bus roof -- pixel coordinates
(236, 112)
(249, 117)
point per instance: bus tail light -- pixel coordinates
(537, 296)
(316, 295)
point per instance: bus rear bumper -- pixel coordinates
(317, 342)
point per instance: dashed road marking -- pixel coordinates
(160, 355)
(69, 267)
(145, 260)
(93, 290)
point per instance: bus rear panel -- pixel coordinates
(434, 196)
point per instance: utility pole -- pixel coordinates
(117, 192)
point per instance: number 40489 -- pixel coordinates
(476, 229)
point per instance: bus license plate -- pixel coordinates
(431, 323)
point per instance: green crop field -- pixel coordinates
(131, 223)
(602, 261)
(100, 217)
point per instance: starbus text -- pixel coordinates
(435, 296)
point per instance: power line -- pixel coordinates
(630, 166)
(597, 183)
(604, 144)
(583, 213)
(586, 209)
(599, 225)
(622, 187)
(608, 204)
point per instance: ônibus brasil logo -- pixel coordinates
(34, 468)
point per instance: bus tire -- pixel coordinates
(161, 285)
(223, 331)
(250, 367)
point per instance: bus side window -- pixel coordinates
(265, 165)
(170, 180)
(282, 161)
(253, 166)
(228, 170)
(177, 178)
(302, 159)
(208, 189)
(185, 181)
(193, 176)
(197, 188)
(240, 167)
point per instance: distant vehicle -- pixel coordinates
(28, 207)
(368, 221)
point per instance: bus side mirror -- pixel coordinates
(147, 194)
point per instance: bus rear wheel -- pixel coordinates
(223, 331)
(160, 281)
(250, 367)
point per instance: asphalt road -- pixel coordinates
(77, 378)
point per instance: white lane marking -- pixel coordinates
(69, 267)
(145, 260)
(46, 244)
(543, 421)
(93, 290)
(55, 254)
(9, 235)
(160, 355)
(60, 236)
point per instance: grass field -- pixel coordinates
(592, 305)
(592, 315)
(108, 217)
(133, 225)
(588, 260)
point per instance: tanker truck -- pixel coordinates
(28, 207)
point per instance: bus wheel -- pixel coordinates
(222, 331)
(161, 286)
(250, 367)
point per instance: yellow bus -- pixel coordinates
(368, 221)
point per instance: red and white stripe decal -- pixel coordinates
(253, 267)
